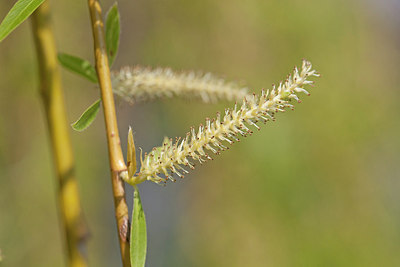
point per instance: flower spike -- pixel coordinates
(217, 133)
(136, 84)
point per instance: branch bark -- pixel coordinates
(117, 163)
(74, 226)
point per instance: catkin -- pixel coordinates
(213, 137)
(137, 84)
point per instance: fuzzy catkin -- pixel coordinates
(174, 157)
(137, 84)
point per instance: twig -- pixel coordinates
(74, 226)
(117, 163)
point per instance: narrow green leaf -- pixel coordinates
(78, 65)
(87, 117)
(17, 14)
(138, 233)
(131, 154)
(112, 33)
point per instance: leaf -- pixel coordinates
(87, 117)
(17, 14)
(131, 154)
(79, 66)
(138, 233)
(112, 33)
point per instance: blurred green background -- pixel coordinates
(319, 187)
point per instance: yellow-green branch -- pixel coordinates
(117, 163)
(74, 226)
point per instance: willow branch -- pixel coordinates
(117, 163)
(74, 226)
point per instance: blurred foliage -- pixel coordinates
(316, 188)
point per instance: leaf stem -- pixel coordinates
(117, 163)
(75, 228)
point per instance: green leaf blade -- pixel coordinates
(87, 117)
(112, 33)
(138, 238)
(17, 14)
(131, 154)
(78, 65)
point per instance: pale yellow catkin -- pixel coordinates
(137, 84)
(173, 157)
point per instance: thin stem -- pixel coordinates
(75, 228)
(117, 163)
